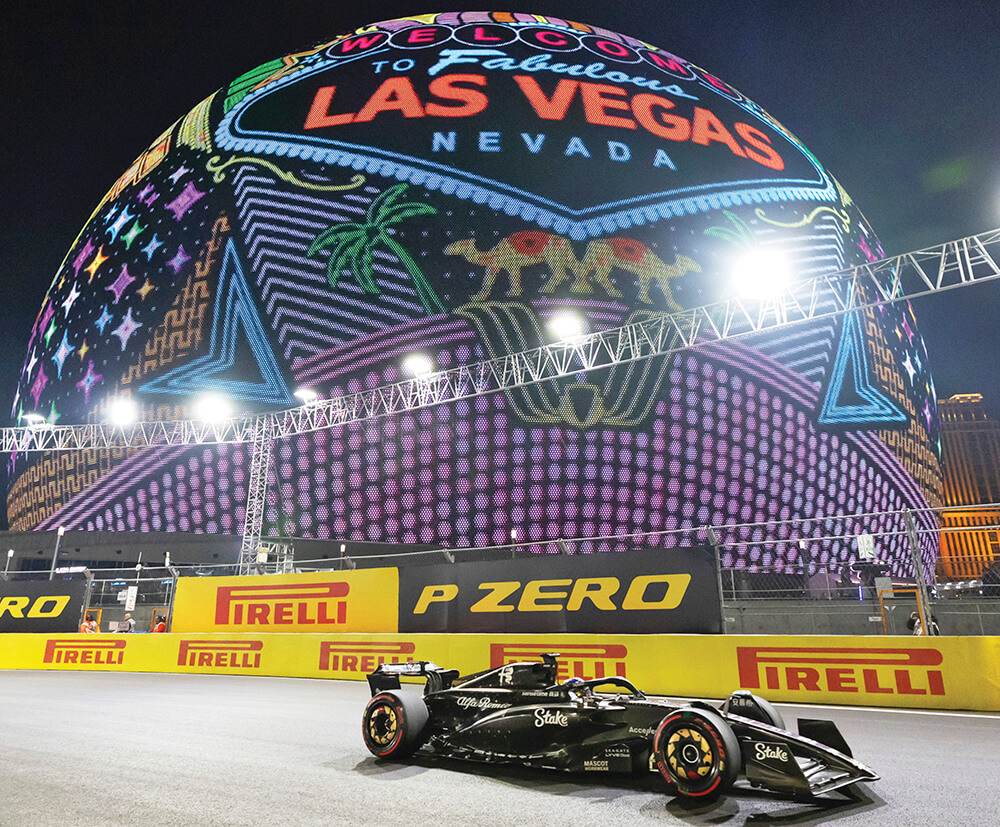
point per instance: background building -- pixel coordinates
(970, 464)
(452, 187)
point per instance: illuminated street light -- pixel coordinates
(417, 364)
(761, 274)
(306, 396)
(10, 553)
(567, 326)
(122, 411)
(213, 408)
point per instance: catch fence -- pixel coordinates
(844, 574)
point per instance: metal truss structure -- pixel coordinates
(900, 278)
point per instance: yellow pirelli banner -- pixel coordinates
(930, 673)
(365, 600)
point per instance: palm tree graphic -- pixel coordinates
(351, 245)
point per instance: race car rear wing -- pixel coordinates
(387, 676)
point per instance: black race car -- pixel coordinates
(520, 714)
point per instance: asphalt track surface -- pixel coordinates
(94, 748)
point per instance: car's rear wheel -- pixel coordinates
(697, 752)
(393, 723)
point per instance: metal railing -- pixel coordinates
(818, 575)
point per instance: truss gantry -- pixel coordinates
(900, 278)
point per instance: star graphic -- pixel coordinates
(62, 281)
(120, 283)
(49, 333)
(74, 294)
(178, 173)
(41, 380)
(47, 315)
(145, 290)
(152, 247)
(83, 350)
(909, 367)
(144, 192)
(119, 223)
(125, 330)
(907, 329)
(183, 202)
(61, 353)
(134, 232)
(179, 259)
(54, 416)
(32, 362)
(99, 259)
(89, 380)
(110, 216)
(103, 319)
(82, 256)
(927, 414)
(919, 363)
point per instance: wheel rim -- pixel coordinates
(383, 725)
(690, 756)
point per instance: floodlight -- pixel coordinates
(213, 408)
(567, 326)
(417, 364)
(306, 396)
(33, 420)
(122, 411)
(761, 273)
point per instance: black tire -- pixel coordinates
(393, 723)
(697, 753)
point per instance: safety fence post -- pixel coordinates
(923, 603)
(713, 541)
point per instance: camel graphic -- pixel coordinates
(524, 249)
(513, 253)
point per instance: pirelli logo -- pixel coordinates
(301, 604)
(73, 651)
(237, 654)
(895, 671)
(586, 661)
(349, 656)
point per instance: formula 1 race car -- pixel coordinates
(519, 714)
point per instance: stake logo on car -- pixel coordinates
(544, 717)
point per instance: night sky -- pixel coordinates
(897, 99)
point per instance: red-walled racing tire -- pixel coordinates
(393, 723)
(697, 752)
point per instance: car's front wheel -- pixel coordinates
(393, 723)
(697, 752)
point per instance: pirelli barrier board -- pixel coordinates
(365, 600)
(41, 605)
(932, 673)
(633, 592)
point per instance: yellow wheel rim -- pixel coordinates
(382, 725)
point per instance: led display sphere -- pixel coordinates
(460, 186)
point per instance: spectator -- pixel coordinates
(127, 625)
(161, 624)
(89, 626)
(918, 627)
